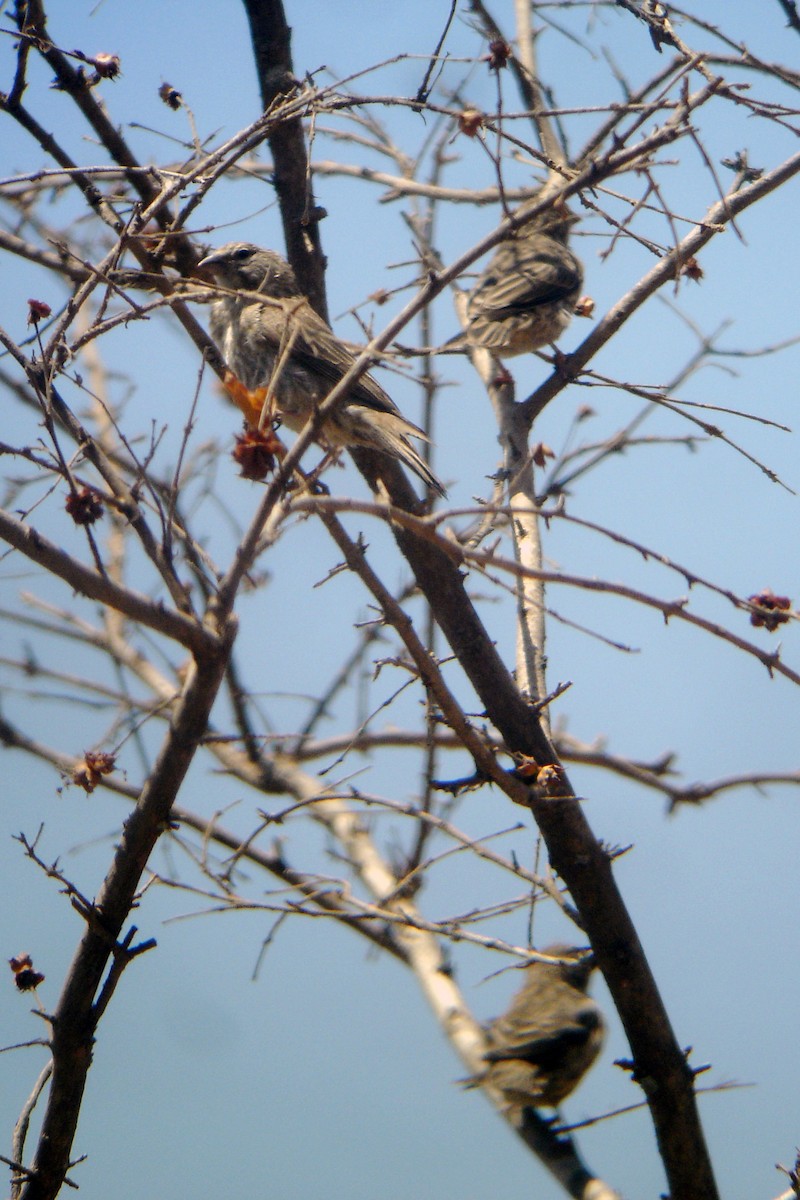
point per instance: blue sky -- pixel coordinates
(326, 1074)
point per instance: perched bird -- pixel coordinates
(526, 295)
(545, 1042)
(282, 353)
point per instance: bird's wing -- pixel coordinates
(524, 275)
(546, 1047)
(317, 348)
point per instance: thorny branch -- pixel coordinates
(139, 212)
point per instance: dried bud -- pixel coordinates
(94, 765)
(584, 307)
(470, 121)
(654, 12)
(25, 977)
(742, 167)
(171, 96)
(770, 610)
(84, 506)
(37, 311)
(551, 780)
(107, 66)
(499, 54)
(255, 453)
(313, 215)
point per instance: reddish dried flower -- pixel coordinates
(499, 54)
(84, 506)
(692, 270)
(171, 96)
(540, 453)
(547, 779)
(25, 977)
(37, 311)
(256, 452)
(771, 611)
(527, 767)
(94, 765)
(470, 121)
(585, 307)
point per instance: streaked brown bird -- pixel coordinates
(552, 1032)
(525, 297)
(282, 353)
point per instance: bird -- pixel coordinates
(526, 295)
(280, 351)
(548, 1038)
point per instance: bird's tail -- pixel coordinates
(407, 454)
(389, 432)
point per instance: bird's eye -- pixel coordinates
(242, 253)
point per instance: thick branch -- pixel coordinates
(271, 37)
(579, 859)
(77, 1013)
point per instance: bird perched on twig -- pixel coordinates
(552, 1032)
(525, 297)
(284, 355)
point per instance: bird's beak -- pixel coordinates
(211, 259)
(210, 263)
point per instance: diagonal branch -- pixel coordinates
(35, 546)
(78, 1010)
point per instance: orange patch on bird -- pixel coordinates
(253, 404)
